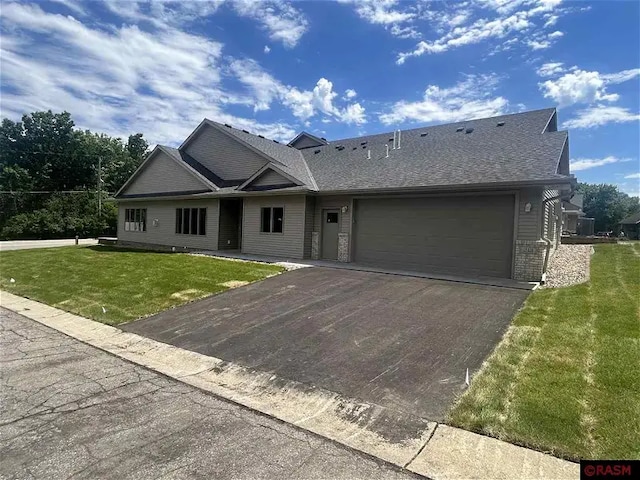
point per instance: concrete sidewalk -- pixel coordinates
(28, 244)
(436, 451)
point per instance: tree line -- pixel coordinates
(55, 179)
(53, 176)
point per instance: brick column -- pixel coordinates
(529, 260)
(343, 247)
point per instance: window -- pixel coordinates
(135, 219)
(332, 217)
(191, 221)
(272, 220)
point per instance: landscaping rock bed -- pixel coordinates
(569, 266)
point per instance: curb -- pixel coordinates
(420, 446)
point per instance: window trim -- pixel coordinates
(186, 221)
(271, 220)
(130, 223)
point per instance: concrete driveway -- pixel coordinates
(28, 244)
(400, 342)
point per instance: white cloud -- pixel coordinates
(580, 86)
(601, 115)
(578, 164)
(513, 17)
(161, 13)
(280, 19)
(266, 49)
(353, 113)
(468, 99)
(349, 94)
(118, 81)
(304, 104)
(550, 69)
(633, 175)
(623, 76)
(396, 16)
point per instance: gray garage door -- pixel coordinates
(464, 235)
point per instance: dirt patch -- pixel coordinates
(234, 283)
(188, 294)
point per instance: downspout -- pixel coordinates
(566, 196)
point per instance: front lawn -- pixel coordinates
(566, 377)
(128, 284)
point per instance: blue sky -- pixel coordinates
(336, 69)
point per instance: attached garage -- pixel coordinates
(460, 235)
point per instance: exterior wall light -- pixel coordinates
(344, 209)
(527, 207)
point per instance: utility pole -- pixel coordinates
(99, 186)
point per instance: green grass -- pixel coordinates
(129, 284)
(566, 377)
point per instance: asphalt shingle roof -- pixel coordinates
(631, 219)
(291, 159)
(518, 151)
(455, 154)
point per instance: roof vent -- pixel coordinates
(276, 141)
(245, 131)
(355, 148)
(261, 136)
(391, 139)
(363, 143)
(468, 130)
(459, 129)
(423, 134)
(500, 124)
(227, 125)
(316, 151)
(322, 138)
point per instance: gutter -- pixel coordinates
(547, 255)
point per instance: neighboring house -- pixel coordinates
(571, 212)
(631, 226)
(477, 198)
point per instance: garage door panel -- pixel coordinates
(459, 235)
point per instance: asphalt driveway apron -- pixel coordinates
(400, 342)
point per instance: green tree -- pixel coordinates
(606, 204)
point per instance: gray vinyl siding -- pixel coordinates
(162, 174)
(334, 202)
(310, 205)
(224, 156)
(165, 232)
(305, 142)
(290, 243)
(529, 223)
(270, 177)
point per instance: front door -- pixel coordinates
(330, 228)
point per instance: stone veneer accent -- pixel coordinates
(315, 245)
(529, 260)
(343, 247)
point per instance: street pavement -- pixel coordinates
(72, 410)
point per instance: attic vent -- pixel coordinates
(322, 138)
(364, 146)
(391, 139)
(423, 134)
(355, 148)
(500, 124)
(276, 141)
(459, 129)
(468, 130)
(363, 143)
(340, 148)
(227, 125)
(261, 136)
(245, 131)
(316, 151)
